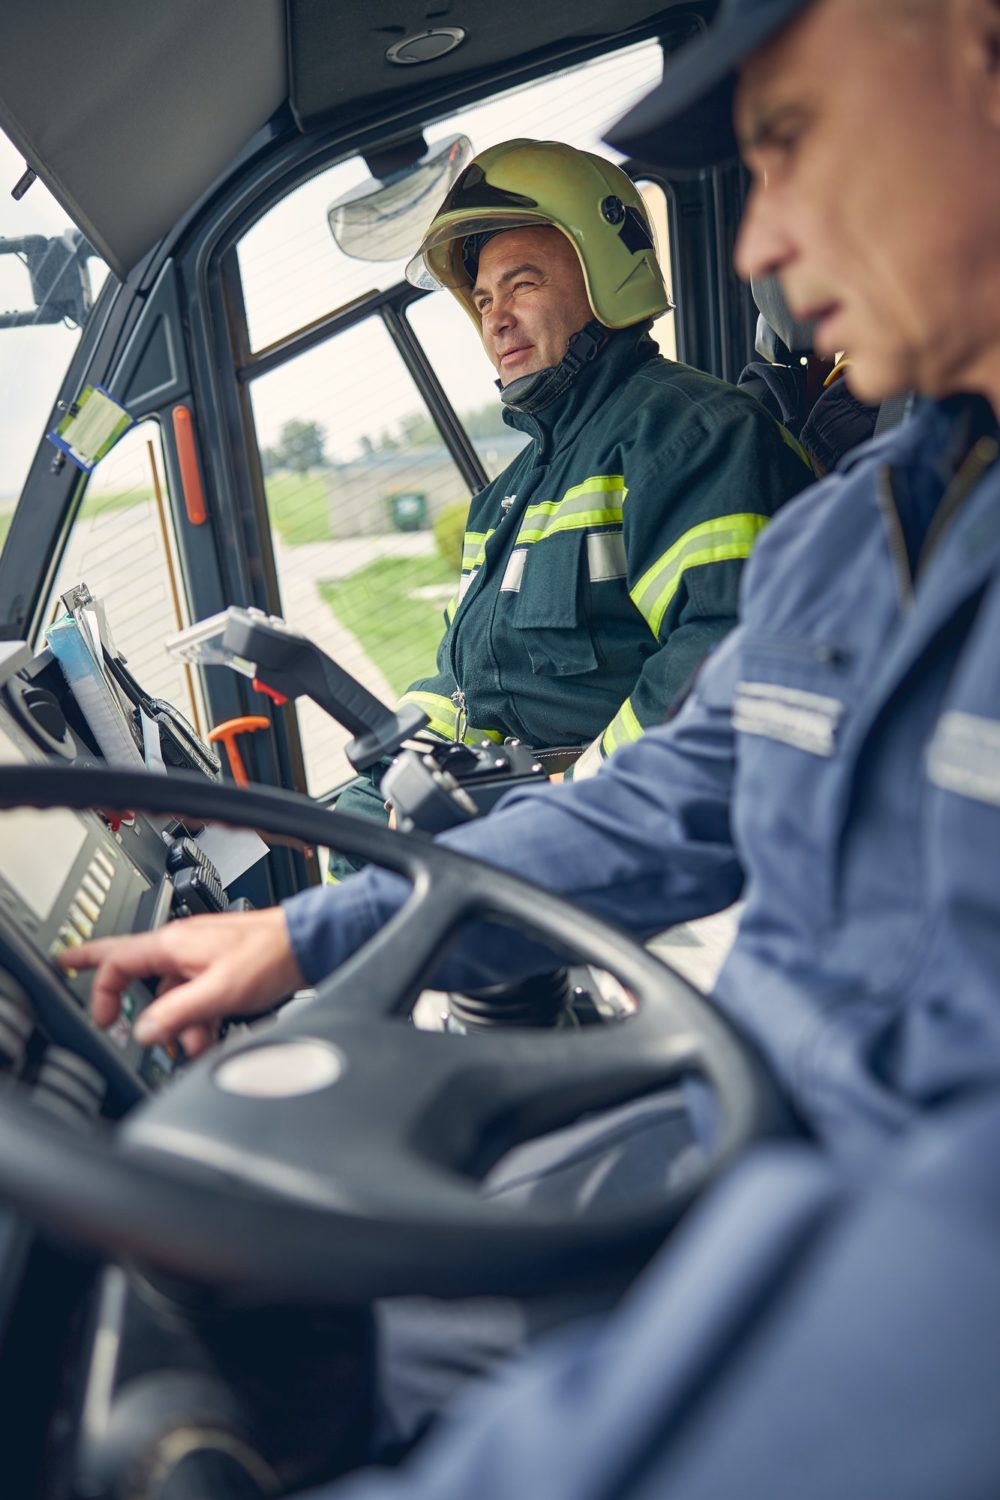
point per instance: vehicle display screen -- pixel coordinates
(37, 849)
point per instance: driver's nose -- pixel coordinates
(763, 247)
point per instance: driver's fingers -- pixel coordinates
(198, 1002)
(117, 963)
(197, 1039)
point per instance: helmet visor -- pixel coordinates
(429, 271)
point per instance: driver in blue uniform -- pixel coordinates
(825, 1325)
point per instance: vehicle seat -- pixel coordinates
(807, 395)
(779, 379)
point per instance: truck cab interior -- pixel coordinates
(210, 213)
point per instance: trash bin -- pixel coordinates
(408, 509)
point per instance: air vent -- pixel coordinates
(425, 46)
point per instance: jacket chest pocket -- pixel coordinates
(548, 580)
(790, 704)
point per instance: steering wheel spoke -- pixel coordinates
(385, 977)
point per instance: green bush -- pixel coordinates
(449, 529)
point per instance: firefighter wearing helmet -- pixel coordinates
(604, 562)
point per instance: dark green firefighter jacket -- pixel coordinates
(600, 567)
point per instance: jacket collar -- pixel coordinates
(967, 553)
(561, 423)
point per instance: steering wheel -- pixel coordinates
(335, 1155)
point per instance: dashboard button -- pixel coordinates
(96, 892)
(83, 925)
(86, 904)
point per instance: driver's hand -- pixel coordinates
(208, 968)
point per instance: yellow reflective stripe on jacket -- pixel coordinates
(597, 501)
(474, 548)
(450, 608)
(442, 717)
(724, 539)
(624, 729)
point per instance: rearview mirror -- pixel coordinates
(386, 220)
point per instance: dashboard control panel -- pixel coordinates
(67, 877)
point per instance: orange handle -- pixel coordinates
(187, 462)
(228, 733)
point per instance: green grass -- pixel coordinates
(94, 504)
(399, 633)
(299, 507)
(297, 504)
(104, 502)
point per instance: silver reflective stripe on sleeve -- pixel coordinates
(590, 762)
(514, 571)
(809, 721)
(964, 756)
(465, 584)
(606, 555)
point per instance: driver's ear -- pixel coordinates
(980, 23)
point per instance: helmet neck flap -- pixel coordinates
(532, 393)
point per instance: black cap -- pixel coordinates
(686, 123)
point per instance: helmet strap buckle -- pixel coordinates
(584, 346)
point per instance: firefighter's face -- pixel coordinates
(873, 134)
(531, 299)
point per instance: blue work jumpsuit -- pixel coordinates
(838, 765)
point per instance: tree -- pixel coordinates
(417, 430)
(485, 422)
(300, 447)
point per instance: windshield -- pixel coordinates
(49, 279)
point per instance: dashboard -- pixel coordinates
(66, 877)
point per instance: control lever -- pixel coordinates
(228, 734)
(451, 783)
(285, 664)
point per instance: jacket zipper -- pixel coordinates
(461, 716)
(983, 454)
(897, 540)
(458, 697)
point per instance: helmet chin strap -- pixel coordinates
(533, 393)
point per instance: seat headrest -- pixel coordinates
(781, 339)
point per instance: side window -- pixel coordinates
(453, 346)
(655, 199)
(366, 508)
(38, 333)
(121, 545)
